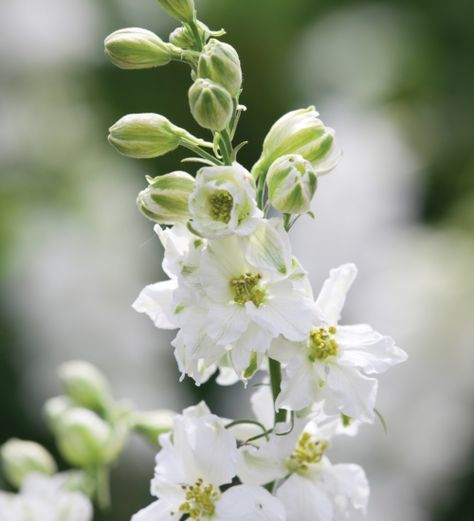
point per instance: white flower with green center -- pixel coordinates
(308, 485)
(223, 202)
(333, 362)
(229, 297)
(193, 463)
(44, 498)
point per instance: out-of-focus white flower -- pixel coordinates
(333, 362)
(308, 485)
(223, 201)
(194, 462)
(230, 295)
(44, 498)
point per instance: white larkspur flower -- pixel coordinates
(333, 362)
(194, 462)
(308, 485)
(223, 201)
(44, 498)
(230, 296)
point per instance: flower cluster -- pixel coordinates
(242, 304)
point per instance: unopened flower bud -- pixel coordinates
(136, 48)
(85, 385)
(211, 105)
(166, 199)
(83, 438)
(153, 423)
(299, 132)
(220, 63)
(183, 10)
(292, 183)
(184, 38)
(54, 408)
(144, 136)
(20, 458)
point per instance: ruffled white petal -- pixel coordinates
(363, 347)
(350, 392)
(304, 501)
(247, 503)
(333, 293)
(157, 511)
(156, 300)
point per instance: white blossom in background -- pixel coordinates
(44, 498)
(332, 364)
(199, 457)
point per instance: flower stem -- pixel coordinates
(275, 381)
(199, 151)
(103, 488)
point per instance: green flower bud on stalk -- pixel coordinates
(299, 132)
(153, 423)
(220, 63)
(20, 458)
(136, 48)
(184, 38)
(183, 10)
(211, 105)
(143, 136)
(292, 183)
(85, 385)
(84, 439)
(166, 200)
(54, 408)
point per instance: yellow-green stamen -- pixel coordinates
(246, 288)
(322, 343)
(220, 205)
(308, 451)
(200, 500)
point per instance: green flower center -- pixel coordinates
(322, 343)
(200, 500)
(246, 288)
(221, 203)
(308, 451)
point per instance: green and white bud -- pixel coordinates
(299, 132)
(54, 408)
(85, 385)
(223, 202)
(84, 439)
(292, 183)
(210, 104)
(220, 63)
(20, 458)
(136, 48)
(153, 423)
(143, 136)
(183, 10)
(166, 199)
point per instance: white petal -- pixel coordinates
(285, 312)
(269, 247)
(262, 404)
(157, 511)
(333, 293)
(284, 350)
(351, 392)
(351, 482)
(156, 300)
(247, 503)
(304, 501)
(256, 466)
(363, 347)
(300, 385)
(225, 324)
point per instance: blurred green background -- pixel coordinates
(395, 78)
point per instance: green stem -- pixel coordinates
(200, 152)
(275, 381)
(227, 148)
(103, 488)
(197, 36)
